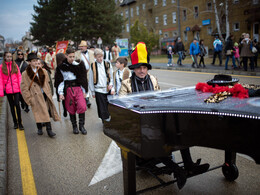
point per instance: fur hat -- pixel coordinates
(32, 56)
(139, 57)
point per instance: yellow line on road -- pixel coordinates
(28, 184)
(190, 72)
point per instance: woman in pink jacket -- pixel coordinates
(10, 80)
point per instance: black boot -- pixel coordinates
(49, 129)
(39, 127)
(20, 125)
(81, 123)
(15, 123)
(74, 123)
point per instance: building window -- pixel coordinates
(123, 28)
(160, 32)
(196, 12)
(165, 35)
(137, 10)
(255, 2)
(132, 12)
(173, 17)
(185, 36)
(209, 30)
(115, 1)
(174, 33)
(155, 2)
(126, 13)
(235, 1)
(164, 19)
(156, 20)
(184, 14)
(122, 14)
(173, 1)
(236, 26)
(127, 27)
(143, 6)
(163, 2)
(209, 6)
(145, 23)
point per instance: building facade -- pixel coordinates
(191, 19)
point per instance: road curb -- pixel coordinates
(236, 72)
(3, 146)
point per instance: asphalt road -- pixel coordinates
(67, 163)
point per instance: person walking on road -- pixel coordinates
(107, 54)
(194, 52)
(37, 94)
(217, 44)
(115, 51)
(169, 55)
(179, 49)
(70, 77)
(255, 44)
(101, 83)
(22, 66)
(203, 52)
(229, 51)
(10, 80)
(246, 52)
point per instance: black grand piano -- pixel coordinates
(151, 125)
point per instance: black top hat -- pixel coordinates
(222, 79)
(31, 56)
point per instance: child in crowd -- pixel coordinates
(121, 73)
(10, 79)
(170, 54)
(101, 83)
(70, 77)
(236, 53)
(37, 94)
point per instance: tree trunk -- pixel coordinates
(217, 20)
(227, 21)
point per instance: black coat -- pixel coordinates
(24, 65)
(179, 47)
(229, 45)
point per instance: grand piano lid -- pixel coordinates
(187, 100)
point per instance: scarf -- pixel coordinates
(141, 84)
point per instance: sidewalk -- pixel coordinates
(209, 68)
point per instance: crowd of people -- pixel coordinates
(240, 52)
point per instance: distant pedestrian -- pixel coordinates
(218, 46)
(10, 80)
(203, 52)
(236, 54)
(255, 44)
(179, 49)
(194, 52)
(107, 54)
(246, 52)
(37, 94)
(115, 51)
(22, 64)
(169, 56)
(229, 51)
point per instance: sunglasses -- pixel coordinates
(20, 54)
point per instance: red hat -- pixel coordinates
(139, 57)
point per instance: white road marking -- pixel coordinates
(110, 165)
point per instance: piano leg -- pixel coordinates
(229, 169)
(129, 173)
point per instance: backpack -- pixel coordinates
(219, 47)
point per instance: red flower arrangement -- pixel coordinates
(237, 90)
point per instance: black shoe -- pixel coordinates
(74, 123)
(22, 106)
(39, 132)
(226, 69)
(49, 130)
(15, 125)
(20, 125)
(27, 110)
(196, 169)
(212, 64)
(88, 102)
(65, 114)
(81, 123)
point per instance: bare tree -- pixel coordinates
(227, 21)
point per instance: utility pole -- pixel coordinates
(179, 20)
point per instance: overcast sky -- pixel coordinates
(15, 18)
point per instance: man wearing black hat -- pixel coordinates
(141, 81)
(36, 93)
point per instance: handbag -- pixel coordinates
(228, 52)
(254, 50)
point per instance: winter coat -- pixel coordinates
(169, 53)
(179, 47)
(126, 87)
(236, 52)
(34, 96)
(203, 51)
(194, 49)
(245, 49)
(9, 83)
(21, 64)
(229, 46)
